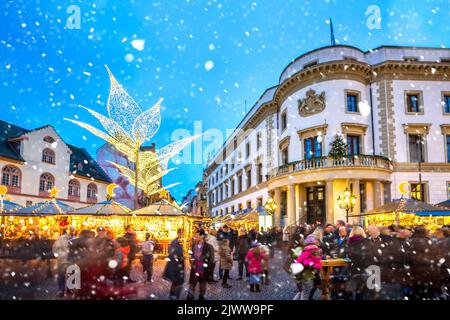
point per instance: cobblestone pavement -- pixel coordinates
(281, 287)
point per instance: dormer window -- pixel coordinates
(310, 64)
(411, 59)
(49, 139)
(48, 156)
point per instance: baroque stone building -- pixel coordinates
(34, 161)
(391, 106)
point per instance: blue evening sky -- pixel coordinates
(47, 70)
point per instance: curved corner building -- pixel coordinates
(390, 105)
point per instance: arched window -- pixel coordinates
(46, 182)
(74, 189)
(91, 192)
(48, 156)
(49, 139)
(11, 177)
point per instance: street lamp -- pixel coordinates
(270, 206)
(346, 201)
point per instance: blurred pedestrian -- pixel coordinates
(226, 261)
(148, 248)
(175, 270)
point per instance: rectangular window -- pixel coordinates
(283, 121)
(412, 102)
(232, 187)
(416, 148)
(239, 183)
(418, 191)
(259, 202)
(5, 179)
(448, 148)
(247, 150)
(352, 102)
(258, 140)
(259, 175)
(284, 156)
(283, 203)
(249, 178)
(249, 204)
(312, 148)
(353, 144)
(446, 103)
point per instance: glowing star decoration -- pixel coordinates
(54, 192)
(403, 187)
(127, 129)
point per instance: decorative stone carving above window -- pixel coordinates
(284, 143)
(445, 129)
(417, 128)
(354, 128)
(313, 131)
(312, 103)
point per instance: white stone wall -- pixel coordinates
(432, 103)
(33, 168)
(333, 115)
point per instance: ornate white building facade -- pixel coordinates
(391, 105)
(34, 161)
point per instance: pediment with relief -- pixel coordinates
(313, 103)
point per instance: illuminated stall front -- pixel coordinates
(409, 213)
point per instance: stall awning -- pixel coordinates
(47, 207)
(411, 206)
(108, 207)
(445, 204)
(159, 208)
(7, 206)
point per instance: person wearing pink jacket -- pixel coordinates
(310, 258)
(255, 256)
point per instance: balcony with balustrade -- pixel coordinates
(347, 165)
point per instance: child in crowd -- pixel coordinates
(255, 256)
(311, 260)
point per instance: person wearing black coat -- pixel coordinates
(244, 243)
(443, 242)
(422, 255)
(200, 259)
(174, 270)
(130, 236)
(358, 253)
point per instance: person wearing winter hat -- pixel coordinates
(255, 256)
(311, 260)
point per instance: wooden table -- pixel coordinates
(327, 271)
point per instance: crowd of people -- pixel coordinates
(410, 263)
(396, 262)
(105, 261)
(218, 249)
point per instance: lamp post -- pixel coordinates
(270, 207)
(346, 201)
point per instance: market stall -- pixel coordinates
(162, 220)
(410, 213)
(108, 214)
(29, 232)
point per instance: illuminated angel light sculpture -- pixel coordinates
(127, 129)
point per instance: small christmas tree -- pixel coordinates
(338, 148)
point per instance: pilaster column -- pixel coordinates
(329, 199)
(298, 204)
(357, 194)
(377, 194)
(291, 204)
(277, 214)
